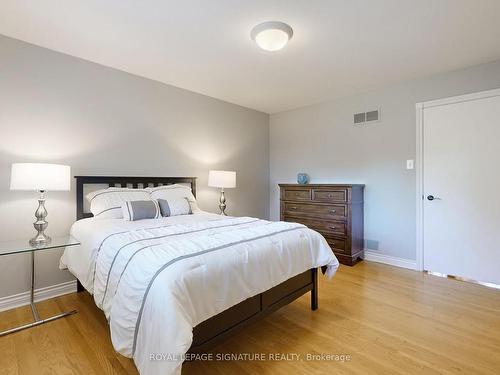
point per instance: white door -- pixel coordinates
(461, 170)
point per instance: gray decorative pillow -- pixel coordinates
(174, 206)
(140, 210)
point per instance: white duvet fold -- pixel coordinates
(155, 283)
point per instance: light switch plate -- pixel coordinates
(410, 164)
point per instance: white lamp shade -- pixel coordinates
(222, 179)
(40, 176)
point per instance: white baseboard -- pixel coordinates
(375, 256)
(21, 299)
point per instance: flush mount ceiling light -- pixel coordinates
(272, 35)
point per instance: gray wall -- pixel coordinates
(321, 141)
(60, 109)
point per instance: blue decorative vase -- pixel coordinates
(302, 178)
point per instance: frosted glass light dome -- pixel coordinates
(271, 36)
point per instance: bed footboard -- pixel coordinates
(214, 330)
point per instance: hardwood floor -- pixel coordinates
(389, 320)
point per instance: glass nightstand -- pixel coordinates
(23, 246)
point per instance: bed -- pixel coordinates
(176, 285)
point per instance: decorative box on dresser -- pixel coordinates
(335, 211)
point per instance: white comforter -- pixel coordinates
(157, 279)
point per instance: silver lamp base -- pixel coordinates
(222, 203)
(40, 224)
(40, 239)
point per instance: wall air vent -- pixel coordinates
(367, 117)
(359, 118)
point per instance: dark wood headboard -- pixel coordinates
(121, 181)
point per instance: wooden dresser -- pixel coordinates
(335, 211)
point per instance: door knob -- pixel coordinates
(432, 197)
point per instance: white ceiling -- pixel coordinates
(339, 48)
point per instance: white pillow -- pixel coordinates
(107, 203)
(172, 192)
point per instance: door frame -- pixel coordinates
(419, 166)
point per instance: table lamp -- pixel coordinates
(222, 179)
(40, 177)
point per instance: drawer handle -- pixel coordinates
(330, 195)
(293, 208)
(333, 211)
(333, 228)
(332, 244)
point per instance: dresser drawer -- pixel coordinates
(298, 194)
(338, 245)
(330, 195)
(325, 210)
(326, 228)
